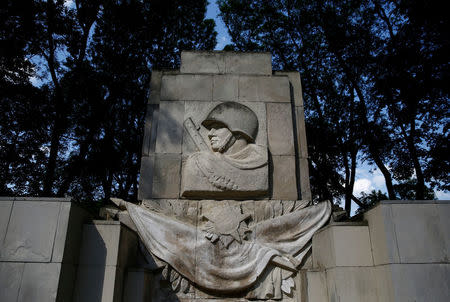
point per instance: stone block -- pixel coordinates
(31, 231)
(166, 176)
(39, 282)
(128, 248)
(248, 63)
(226, 62)
(420, 282)
(279, 129)
(342, 245)
(98, 283)
(443, 211)
(170, 127)
(186, 87)
(302, 144)
(284, 180)
(202, 62)
(100, 243)
(296, 86)
(137, 286)
(413, 221)
(146, 177)
(352, 284)
(264, 89)
(225, 88)
(305, 188)
(10, 279)
(317, 286)
(382, 235)
(150, 127)
(155, 87)
(5, 213)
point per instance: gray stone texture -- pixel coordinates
(170, 127)
(342, 245)
(225, 88)
(31, 231)
(10, 278)
(284, 185)
(408, 241)
(295, 84)
(40, 248)
(150, 127)
(39, 282)
(226, 62)
(186, 87)
(155, 87)
(166, 176)
(108, 249)
(146, 177)
(279, 129)
(264, 89)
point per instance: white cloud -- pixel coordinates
(441, 195)
(362, 185)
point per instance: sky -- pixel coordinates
(223, 38)
(368, 177)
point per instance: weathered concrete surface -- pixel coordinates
(284, 180)
(342, 245)
(40, 247)
(186, 87)
(108, 249)
(264, 89)
(280, 129)
(226, 62)
(408, 243)
(170, 127)
(166, 177)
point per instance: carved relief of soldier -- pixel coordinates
(231, 165)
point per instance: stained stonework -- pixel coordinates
(226, 211)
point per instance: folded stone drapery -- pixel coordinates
(227, 256)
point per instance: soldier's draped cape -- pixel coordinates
(209, 265)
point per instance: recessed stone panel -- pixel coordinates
(186, 87)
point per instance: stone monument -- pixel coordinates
(224, 179)
(225, 211)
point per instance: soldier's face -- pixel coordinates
(219, 137)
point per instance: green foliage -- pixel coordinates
(80, 131)
(373, 75)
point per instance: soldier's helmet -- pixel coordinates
(236, 117)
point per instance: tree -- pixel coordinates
(94, 59)
(372, 87)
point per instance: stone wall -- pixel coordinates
(400, 253)
(206, 79)
(40, 243)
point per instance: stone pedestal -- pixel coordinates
(401, 253)
(40, 243)
(108, 250)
